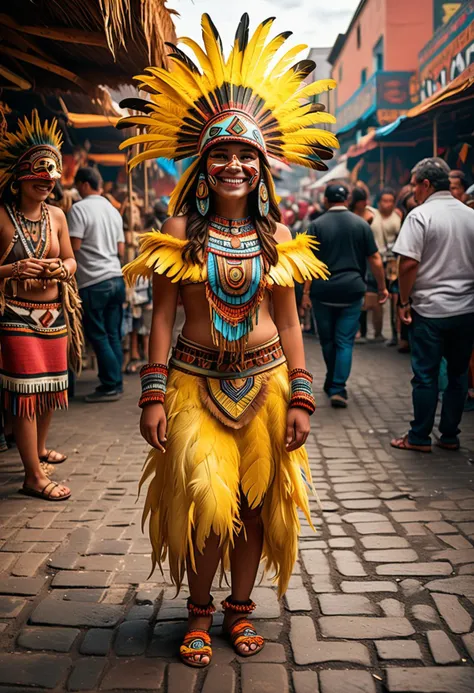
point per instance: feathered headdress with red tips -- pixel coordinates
(251, 97)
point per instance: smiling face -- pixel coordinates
(233, 170)
(37, 190)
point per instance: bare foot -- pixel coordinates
(200, 623)
(39, 483)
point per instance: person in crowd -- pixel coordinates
(436, 279)
(358, 205)
(405, 203)
(38, 301)
(226, 451)
(386, 227)
(458, 185)
(98, 240)
(346, 245)
(109, 191)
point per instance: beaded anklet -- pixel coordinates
(199, 609)
(301, 390)
(154, 377)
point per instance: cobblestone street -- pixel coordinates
(382, 598)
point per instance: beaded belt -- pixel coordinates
(190, 357)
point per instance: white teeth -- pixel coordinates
(234, 181)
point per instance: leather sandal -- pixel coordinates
(197, 641)
(242, 631)
(47, 458)
(404, 444)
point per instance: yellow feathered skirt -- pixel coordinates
(196, 485)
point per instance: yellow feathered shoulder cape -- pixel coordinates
(163, 254)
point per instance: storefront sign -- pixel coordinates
(443, 10)
(448, 53)
(395, 91)
(358, 105)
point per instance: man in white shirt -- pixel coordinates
(98, 241)
(436, 299)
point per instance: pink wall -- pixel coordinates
(353, 59)
(406, 26)
(409, 27)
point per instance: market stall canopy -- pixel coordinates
(74, 45)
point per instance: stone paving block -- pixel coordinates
(41, 535)
(364, 627)
(391, 556)
(97, 641)
(346, 682)
(425, 613)
(348, 564)
(375, 528)
(257, 678)
(322, 583)
(383, 542)
(298, 600)
(129, 675)
(455, 615)
(442, 648)
(132, 638)
(42, 671)
(62, 560)
(417, 516)
(414, 529)
(398, 649)
(464, 586)
(468, 641)
(79, 578)
(346, 605)
(307, 649)
(315, 562)
(54, 639)
(441, 528)
(454, 556)
(363, 504)
(108, 547)
(79, 614)
(28, 565)
(342, 543)
(181, 678)
(420, 569)
(456, 541)
(22, 586)
(273, 653)
(431, 680)
(363, 517)
(305, 682)
(10, 607)
(219, 679)
(368, 586)
(140, 613)
(86, 674)
(392, 607)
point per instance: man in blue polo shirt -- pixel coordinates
(346, 245)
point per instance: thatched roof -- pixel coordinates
(74, 45)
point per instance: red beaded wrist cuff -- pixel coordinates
(301, 390)
(154, 377)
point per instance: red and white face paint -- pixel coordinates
(233, 170)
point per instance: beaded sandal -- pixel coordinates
(197, 641)
(242, 632)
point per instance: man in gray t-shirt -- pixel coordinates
(436, 299)
(98, 241)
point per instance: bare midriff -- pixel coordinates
(197, 326)
(38, 290)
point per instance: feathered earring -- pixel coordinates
(202, 195)
(263, 199)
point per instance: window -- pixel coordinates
(340, 73)
(358, 36)
(378, 54)
(363, 76)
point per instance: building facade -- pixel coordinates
(375, 64)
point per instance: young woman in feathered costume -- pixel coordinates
(228, 415)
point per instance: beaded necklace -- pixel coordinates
(236, 281)
(35, 236)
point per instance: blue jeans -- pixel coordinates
(337, 328)
(103, 312)
(431, 339)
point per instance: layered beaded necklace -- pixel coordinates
(236, 281)
(35, 236)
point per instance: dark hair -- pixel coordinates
(197, 225)
(388, 191)
(357, 195)
(433, 169)
(89, 175)
(462, 178)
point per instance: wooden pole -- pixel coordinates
(435, 136)
(146, 191)
(382, 168)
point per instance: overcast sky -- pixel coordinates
(315, 22)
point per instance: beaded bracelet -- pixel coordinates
(301, 390)
(154, 377)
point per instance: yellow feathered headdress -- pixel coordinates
(250, 97)
(32, 152)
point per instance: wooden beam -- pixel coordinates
(86, 38)
(11, 31)
(16, 79)
(49, 67)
